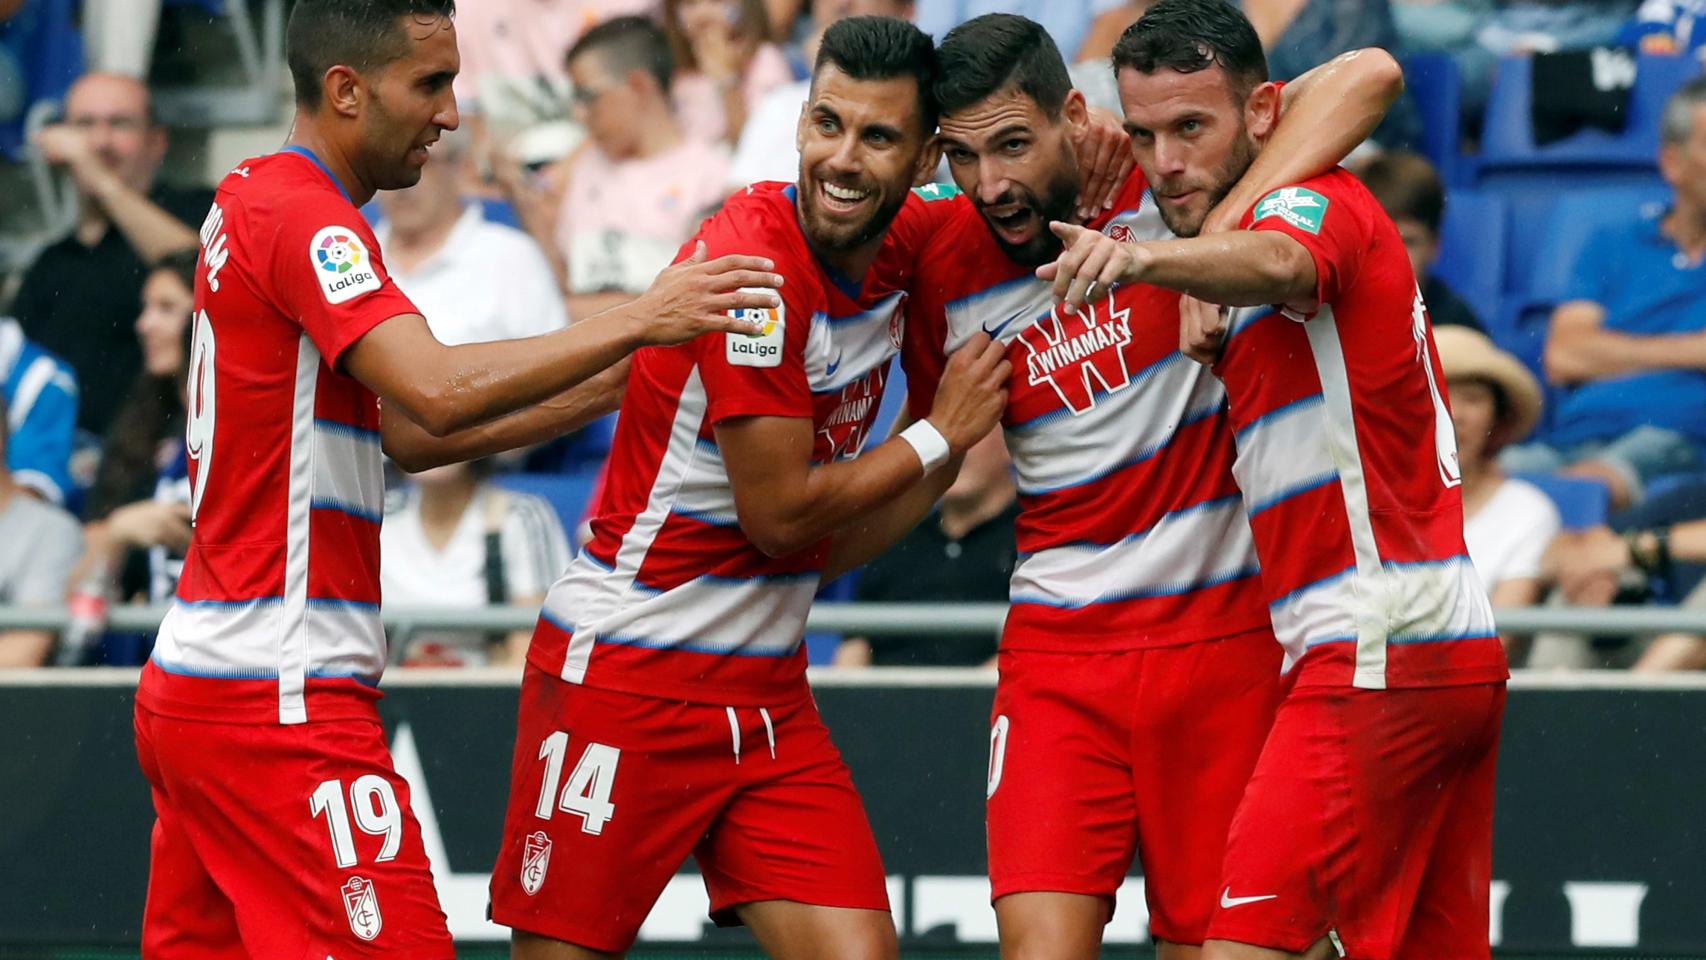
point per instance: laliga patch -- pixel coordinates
(1303, 209)
(342, 264)
(764, 347)
(361, 903)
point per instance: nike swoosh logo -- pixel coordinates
(1228, 900)
(995, 331)
(833, 365)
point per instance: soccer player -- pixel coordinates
(282, 830)
(664, 709)
(1366, 829)
(1136, 602)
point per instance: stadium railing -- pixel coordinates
(876, 619)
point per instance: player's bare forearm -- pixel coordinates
(1244, 268)
(867, 538)
(414, 449)
(785, 503)
(1324, 115)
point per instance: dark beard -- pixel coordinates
(838, 239)
(1237, 162)
(1059, 202)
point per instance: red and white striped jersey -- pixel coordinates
(1131, 533)
(1348, 462)
(277, 611)
(669, 598)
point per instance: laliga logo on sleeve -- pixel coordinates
(342, 264)
(762, 348)
(361, 903)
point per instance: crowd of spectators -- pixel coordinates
(597, 134)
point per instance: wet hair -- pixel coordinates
(626, 44)
(1192, 35)
(1407, 187)
(996, 52)
(882, 48)
(360, 34)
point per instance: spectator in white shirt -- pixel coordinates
(1508, 522)
(474, 280)
(768, 148)
(454, 539)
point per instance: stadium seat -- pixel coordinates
(1507, 136)
(1571, 221)
(1434, 85)
(567, 493)
(1472, 241)
(1581, 503)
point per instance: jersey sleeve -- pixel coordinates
(326, 272)
(1330, 224)
(762, 374)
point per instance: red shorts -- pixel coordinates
(1369, 815)
(610, 792)
(1095, 757)
(282, 841)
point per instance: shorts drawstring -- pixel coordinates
(734, 732)
(769, 731)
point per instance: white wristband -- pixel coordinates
(928, 443)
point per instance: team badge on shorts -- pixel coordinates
(361, 903)
(535, 860)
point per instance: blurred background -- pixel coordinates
(1546, 169)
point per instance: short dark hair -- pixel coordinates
(996, 51)
(629, 43)
(359, 34)
(882, 48)
(1192, 35)
(1407, 187)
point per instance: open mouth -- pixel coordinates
(1014, 225)
(842, 200)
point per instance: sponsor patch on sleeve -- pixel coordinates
(1301, 208)
(936, 191)
(762, 348)
(343, 264)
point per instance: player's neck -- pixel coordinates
(850, 264)
(305, 134)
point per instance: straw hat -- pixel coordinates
(1467, 354)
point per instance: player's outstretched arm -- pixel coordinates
(1239, 269)
(786, 504)
(449, 389)
(1324, 115)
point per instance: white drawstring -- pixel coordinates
(734, 732)
(769, 731)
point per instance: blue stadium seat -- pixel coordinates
(1472, 242)
(1437, 90)
(1581, 503)
(1507, 137)
(49, 48)
(567, 493)
(1573, 219)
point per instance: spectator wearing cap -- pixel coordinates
(1628, 344)
(1408, 188)
(80, 297)
(1507, 523)
(475, 281)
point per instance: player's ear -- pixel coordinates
(341, 90)
(928, 161)
(1262, 109)
(1076, 112)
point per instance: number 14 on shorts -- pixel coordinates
(587, 794)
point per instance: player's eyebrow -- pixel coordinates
(1009, 131)
(438, 78)
(824, 111)
(882, 130)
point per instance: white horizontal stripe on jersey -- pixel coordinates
(239, 640)
(1188, 550)
(1283, 453)
(1423, 603)
(842, 350)
(1122, 429)
(704, 492)
(1144, 220)
(348, 470)
(1002, 311)
(760, 617)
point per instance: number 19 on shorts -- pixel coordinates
(587, 794)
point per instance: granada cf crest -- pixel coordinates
(1120, 232)
(535, 860)
(361, 902)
